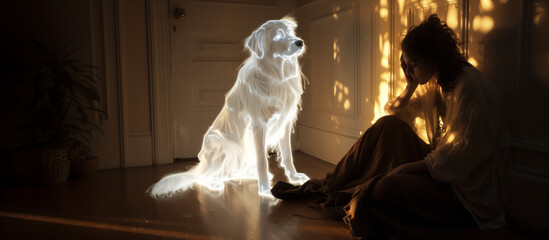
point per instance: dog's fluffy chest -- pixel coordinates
(262, 93)
(280, 97)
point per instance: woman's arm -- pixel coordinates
(419, 167)
(404, 98)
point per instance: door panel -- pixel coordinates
(207, 49)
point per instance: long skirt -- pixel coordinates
(403, 206)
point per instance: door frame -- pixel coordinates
(158, 31)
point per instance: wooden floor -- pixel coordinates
(113, 205)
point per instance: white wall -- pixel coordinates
(349, 73)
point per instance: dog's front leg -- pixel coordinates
(263, 183)
(285, 145)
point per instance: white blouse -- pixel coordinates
(470, 142)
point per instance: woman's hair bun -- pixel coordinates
(433, 19)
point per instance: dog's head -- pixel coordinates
(275, 39)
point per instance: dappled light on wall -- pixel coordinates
(486, 5)
(403, 16)
(337, 55)
(341, 93)
(452, 18)
(540, 12)
(335, 121)
(384, 48)
(483, 24)
(335, 10)
(383, 9)
(384, 78)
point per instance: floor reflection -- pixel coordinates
(113, 205)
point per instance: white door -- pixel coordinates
(207, 49)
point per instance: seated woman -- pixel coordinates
(393, 184)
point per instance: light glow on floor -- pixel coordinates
(103, 226)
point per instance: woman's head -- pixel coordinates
(433, 45)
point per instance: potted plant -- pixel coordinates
(64, 98)
(83, 163)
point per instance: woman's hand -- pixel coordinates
(404, 97)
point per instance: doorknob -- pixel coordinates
(179, 13)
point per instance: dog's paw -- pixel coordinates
(298, 178)
(264, 189)
(266, 194)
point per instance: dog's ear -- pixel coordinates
(255, 43)
(290, 21)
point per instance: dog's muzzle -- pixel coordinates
(299, 43)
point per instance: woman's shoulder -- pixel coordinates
(470, 72)
(471, 82)
(471, 78)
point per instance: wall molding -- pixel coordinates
(248, 2)
(532, 173)
(318, 22)
(217, 46)
(532, 144)
(135, 81)
(209, 95)
(105, 53)
(340, 43)
(529, 152)
(365, 89)
(321, 139)
(344, 132)
(158, 34)
(304, 5)
(140, 134)
(97, 49)
(529, 181)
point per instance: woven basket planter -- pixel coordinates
(51, 165)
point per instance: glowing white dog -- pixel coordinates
(259, 114)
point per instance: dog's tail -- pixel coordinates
(172, 183)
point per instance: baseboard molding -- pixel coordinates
(324, 145)
(529, 182)
(528, 200)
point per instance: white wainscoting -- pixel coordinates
(346, 41)
(317, 139)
